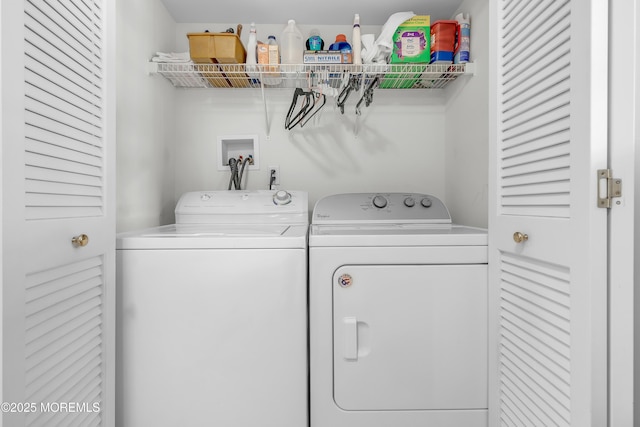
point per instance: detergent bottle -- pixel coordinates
(315, 42)
(345, 48)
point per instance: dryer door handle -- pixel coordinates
(350, 328)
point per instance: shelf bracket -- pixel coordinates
(267, 126)
(152, 68)
(470, 68)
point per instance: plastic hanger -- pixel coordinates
(352, 84)
(316, 106)
(293, 119)
(367, 96)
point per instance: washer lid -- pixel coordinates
(215, 236)
(359, 208)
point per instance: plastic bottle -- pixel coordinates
(274, 51)
(315, 42)
(345, 48)
(291, 44)
(355, 40)
(252, 55)
(273, 77)
(463, 43)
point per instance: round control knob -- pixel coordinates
(205, 197)
(409, 202)
(426, 202)
(282, 197)
(379, 202)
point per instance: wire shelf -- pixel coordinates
(392, 76)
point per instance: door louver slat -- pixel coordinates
(63, 86)
(537, 24)
(63, 113)
(535, 109)
(535, 342)
(64, 340)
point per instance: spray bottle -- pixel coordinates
(356, 43)
(252, 56)
(463, 42)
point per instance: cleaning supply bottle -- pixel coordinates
(356, 43)
(274, 76)
(463, 42)
(291, 44)
(345, 48)
(315, 42)
(274, 51)
(252, 55)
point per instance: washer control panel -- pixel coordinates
(261, 206)
(380, 208)
(282, 197)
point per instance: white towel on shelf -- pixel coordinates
(379, 51)
(171, 57)
(179, 69)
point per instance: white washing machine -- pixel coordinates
(398, 314)
(212, 314)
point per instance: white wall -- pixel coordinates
(399, 145)
(405, 139)
(145, 117)
(467, 128)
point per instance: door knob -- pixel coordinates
(80, 241)
(519, 237)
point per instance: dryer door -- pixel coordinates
(410, 337)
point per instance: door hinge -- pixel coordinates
(608, 188)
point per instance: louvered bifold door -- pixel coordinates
(547, 235)
(65, 293)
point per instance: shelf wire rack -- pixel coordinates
(392, 76)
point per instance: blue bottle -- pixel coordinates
(315, 42)
(344, 48)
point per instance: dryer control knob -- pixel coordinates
(409, 202)
(379, 202)
(426, 202)
(282, 197)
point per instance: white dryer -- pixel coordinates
(398, 314)
(212, 314)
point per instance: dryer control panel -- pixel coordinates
(380, 208)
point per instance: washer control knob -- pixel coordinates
(426, 202)
(379, 202)
(282, 197)
(409, 202)
(204, 197)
